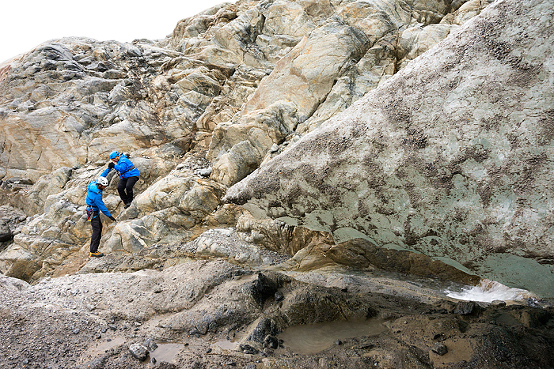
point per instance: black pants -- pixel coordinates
(96, 233)
(125, 189)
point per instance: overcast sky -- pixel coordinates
(26, 24)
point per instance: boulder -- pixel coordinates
(138, 351)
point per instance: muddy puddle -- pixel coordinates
(100, 348)
(166, 352)
(313, 338)
(227, 345)
(105, 346)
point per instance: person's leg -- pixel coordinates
(96, 234)
(129, 188)
(121, 189)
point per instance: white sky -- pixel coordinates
(28, 23)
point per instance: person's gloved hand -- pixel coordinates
(112, 218)
(111, 165)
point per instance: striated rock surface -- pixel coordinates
(450, 157)
(326, 71)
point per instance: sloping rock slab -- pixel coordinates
(450, 157)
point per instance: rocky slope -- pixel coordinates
(221, 277)
(196, 112)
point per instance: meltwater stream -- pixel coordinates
(489, 291)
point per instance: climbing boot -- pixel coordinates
(96, 254)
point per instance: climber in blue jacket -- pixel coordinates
(95, 205)
(128, 176)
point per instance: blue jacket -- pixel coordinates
(125, 168)
(94, 199)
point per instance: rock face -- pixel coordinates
(450, 157)
(326, 71)
(231, 88)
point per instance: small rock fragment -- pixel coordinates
(440, 349)
(138, 351)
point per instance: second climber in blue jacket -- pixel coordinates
(95, 205)
(128, 176)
